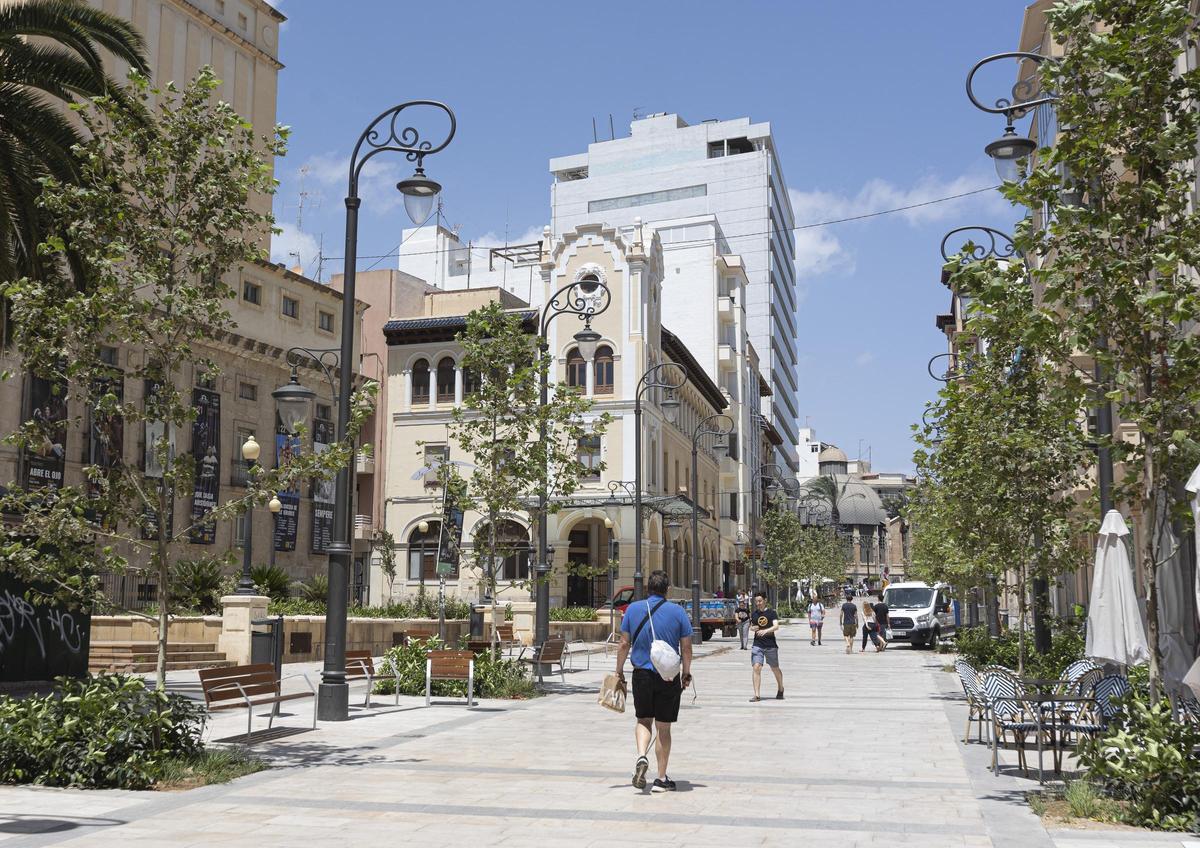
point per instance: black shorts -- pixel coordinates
(654, 697)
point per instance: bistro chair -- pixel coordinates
(977, 704)
(1011, 713)
(1189, 707)
(1108, 690)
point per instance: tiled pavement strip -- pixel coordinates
(862, 752)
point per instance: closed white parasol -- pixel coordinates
(1116, 632)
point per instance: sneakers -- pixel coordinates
(639, 772)
(664, 783)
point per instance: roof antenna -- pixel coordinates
(612, 134)
(594, 138)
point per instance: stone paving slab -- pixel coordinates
(863, 751)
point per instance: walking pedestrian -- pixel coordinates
(881, 618)
(765, 624)
(655, 700)
(849, 621)
(816, 618)
(742, 614)
(870, 628)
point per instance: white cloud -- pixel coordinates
(494, 239)
(287, 244)
(819, 251)
(376, 182)
(864, 359)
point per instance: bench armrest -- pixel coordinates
(299, 674)
(221, 687)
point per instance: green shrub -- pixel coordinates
(977, 647)
(1146, 759)
(494, 678)
(572, 614)
(1085, 800)
(197, 584)
(455, 609)
(271, 580)
(315, 588)
(107, 731)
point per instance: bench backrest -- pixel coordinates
(450, 665)
(420, 635)
(504, 632)
(254, 681)
(359, 664)
(552, 650)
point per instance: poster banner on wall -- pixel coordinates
(155, 432)
(106, 435)
(206, 450)
(44, 460)
(288, 519)
(322, 492)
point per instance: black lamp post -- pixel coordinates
(655, 377)
(385, 134)
(584, 298)
(719, 426)
(250, 453)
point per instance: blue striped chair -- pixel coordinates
(1108, 690)
(1011, 712)
(1189, 707)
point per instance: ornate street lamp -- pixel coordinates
(584, 298)
(250, 453)
(718, 426)
(662, 377)
(385, 134)
(1008, 151)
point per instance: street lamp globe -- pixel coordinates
(549, 556)
(423, 526)
(251, 449)
(738, 547)
(1007, 152)
(608, 523)
(419, 192)
(587, 340)
(670, 406)
(275, 504)
(720, 446)
(611, 510)
(292, 402)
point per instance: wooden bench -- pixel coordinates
(551, 653)
(360, 665)
(418, 635)
(505, 636)
(249, 686)
(450, 665)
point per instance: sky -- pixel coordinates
(866, 104)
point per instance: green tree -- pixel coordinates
(159, 213)
(498, 426)
(1115, 249)
(49, 57)
(796, 551)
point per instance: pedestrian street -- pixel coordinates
(862, 751)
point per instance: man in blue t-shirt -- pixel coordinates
(655, 700)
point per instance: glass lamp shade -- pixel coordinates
(670, 407)
(611, 511)
(292, 402)
(420, 193)
(251, 449)
(1007, 152)
(549, 556)
(720, 447)
(587, 339)
(738, 549)
(275, 504)
(423, 527)
(673, 524)
(608, 523)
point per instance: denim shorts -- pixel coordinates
(770, 655)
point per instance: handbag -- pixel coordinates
(612, 694)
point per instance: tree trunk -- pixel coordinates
(164, 589)
(1021, 608)
(1150, 562)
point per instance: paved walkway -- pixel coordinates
(862, 752)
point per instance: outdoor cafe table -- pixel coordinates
(1040, 716)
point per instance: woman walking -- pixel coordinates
(816, 618)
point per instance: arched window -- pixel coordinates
(445, 380)
(576, 369)
(604, 370)
(512, 544)
(422, 553)
(470, 381)
(420, 381)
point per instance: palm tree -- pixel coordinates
(49, 58)
(831, 490)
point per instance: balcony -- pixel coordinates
(364, 528)
(726, 357)
(725, 311)
(364, 463)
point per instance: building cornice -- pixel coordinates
(673, 347)
(209, 21)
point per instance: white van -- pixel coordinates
(918, 613)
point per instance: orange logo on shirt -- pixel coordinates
(762, 621)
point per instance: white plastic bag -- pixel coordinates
(662, 656)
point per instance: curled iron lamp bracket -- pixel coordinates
(1024, 93)
(995, 245)
(385, 133)
(584, 299)
(326, 359)
(952, 372)
(658, 377)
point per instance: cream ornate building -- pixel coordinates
(426, 381)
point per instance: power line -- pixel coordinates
(484, 250)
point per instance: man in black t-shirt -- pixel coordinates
(849, 622)
(764, 623)
(881, 618)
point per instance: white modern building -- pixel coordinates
(718, 183)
